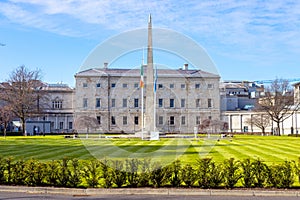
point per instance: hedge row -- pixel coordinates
(143, 173)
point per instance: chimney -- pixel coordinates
(105, 65)
(186, 66)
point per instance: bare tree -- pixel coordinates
(86, 122)
(260, 120)
(216, 126)
(278, 102)
(6, 116)
(23, 93)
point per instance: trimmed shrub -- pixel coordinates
(132, 167)
(248, 178)
(188, 175)
(92, 173)
(232, 173)
(261, 173)
(118, 173)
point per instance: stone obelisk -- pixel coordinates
(149, 111)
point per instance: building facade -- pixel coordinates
(113, 97)
(56, 114)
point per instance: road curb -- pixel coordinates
(149, 191)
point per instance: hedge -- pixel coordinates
(105, 173)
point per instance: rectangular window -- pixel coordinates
(113, 120)
(160, 86)
(125, 85)
(136, 85)
(160, 120)
(99, 119)
(98, 85)
(172, 103)
(61, 125)
(124, 120)
(136, 103)
(70, 125)
(197, 120)
(57, 104)
(182, 86)
(182, 103)
(136, 120)
(113, 103)
(197, 103)
(124, 103)
(172, 120)
(113, 85)
(210, 86)
(209, 103)
(182, 120)
(85, 102)
(84, 85)
(98, 102)
(172, 85)
(160, 103)
(197, 85)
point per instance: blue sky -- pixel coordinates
(247, 40)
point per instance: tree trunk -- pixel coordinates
(263, 130)
(278, 128)
(23, 127)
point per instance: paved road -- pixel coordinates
(27, 196)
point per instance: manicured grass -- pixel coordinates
(271, 149)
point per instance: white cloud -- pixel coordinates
(254, 27)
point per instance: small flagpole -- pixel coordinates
(142, 110)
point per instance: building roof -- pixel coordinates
(136, 73)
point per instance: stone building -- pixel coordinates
(56, 111)
(113, 97)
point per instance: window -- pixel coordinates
(160, 120)
(125, 85)
(98, 102)
(99, 119)
(210, 86)
(85, 102)
(197, 85)
(172, 120)
(197, 103)
(124, 120)
(57, 104)
(172, 85)
(136, 103)
(209, 103)
(182, 103)
(70, 125)
(136, 85)
(160, 86)
(113, 120)
(124, 103)
(113, 103)
(182, 120)
(160, 103)
(84, 85)
(61, 125)
(136, 120)
(182, 86)
(113, 85)
(172, 103)
(98, 85)
(197, 120)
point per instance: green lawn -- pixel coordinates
(271, 149)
